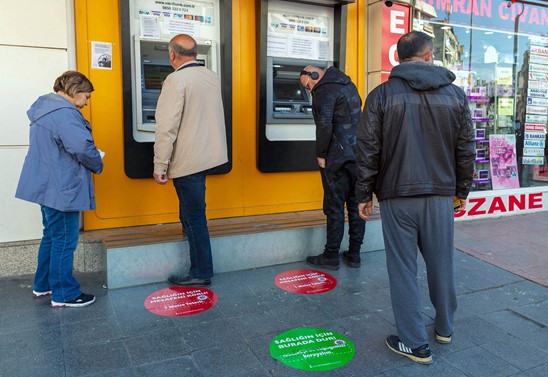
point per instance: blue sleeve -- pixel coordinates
(75, 134)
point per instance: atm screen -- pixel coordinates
(289, 90)
(155, 74)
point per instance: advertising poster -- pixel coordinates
(163, 19)
(180, 301)
(503, 162)
(312, 349)
(306, 282)
(465, 79)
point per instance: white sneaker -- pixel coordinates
(40, 294)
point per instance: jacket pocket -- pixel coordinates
(71, 190)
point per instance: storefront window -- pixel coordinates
(499, 54)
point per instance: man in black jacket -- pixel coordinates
(336, 107)
(416, 153)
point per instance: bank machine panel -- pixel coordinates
(150, 73)
(147, 28)
(294, 34)
(288, 103)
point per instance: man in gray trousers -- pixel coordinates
(416, 153)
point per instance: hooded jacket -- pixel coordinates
(336, 107)
(61, 156)
(415, 136)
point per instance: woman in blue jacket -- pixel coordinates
(57, 176)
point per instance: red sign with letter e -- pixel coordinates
(395, 21)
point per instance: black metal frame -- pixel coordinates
(138, 157)
(289, 156)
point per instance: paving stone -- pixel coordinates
(181, 366)
(476, 361)
(95, 358)
(501, 326)
(156, 346)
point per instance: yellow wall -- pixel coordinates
(122, 201)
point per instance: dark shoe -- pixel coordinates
(443, 339)
(40, 294)
(352, 260)
(78, 302)
(323, 262)
(419, 355)
(187, 281)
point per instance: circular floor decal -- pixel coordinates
(180, 301)
(312, 349)
(305, 282)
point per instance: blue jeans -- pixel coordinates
(56, 254)
(191, 192)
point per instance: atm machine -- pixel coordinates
(294, 34)
(149, 72)
(147, 28)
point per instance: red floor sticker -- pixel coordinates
(306, 282)
(180, 301)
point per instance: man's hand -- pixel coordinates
(459, 204)
(365, 210)
(161, 179)
(321, 162)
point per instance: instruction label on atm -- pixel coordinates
(298, 36)
(166, 18)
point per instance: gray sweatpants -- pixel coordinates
(425, 224)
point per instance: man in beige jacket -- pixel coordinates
(190, 139)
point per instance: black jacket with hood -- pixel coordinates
(336, 106)
(415, 137)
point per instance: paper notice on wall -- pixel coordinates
(101, 55)
(150, 26)
(504, 75)
(323, 50)
(506, 106)
(301, 48)
(276, 45)
(304, 36)
(181, 26)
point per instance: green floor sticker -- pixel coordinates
(312, 349)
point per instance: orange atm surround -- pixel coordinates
(244, 191)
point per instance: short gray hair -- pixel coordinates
(181, 51)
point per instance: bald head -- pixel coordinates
(310, 75)
(182, 48)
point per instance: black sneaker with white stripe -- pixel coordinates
(419, 355)
(78, 302)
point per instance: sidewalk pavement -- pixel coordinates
(500, 330)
